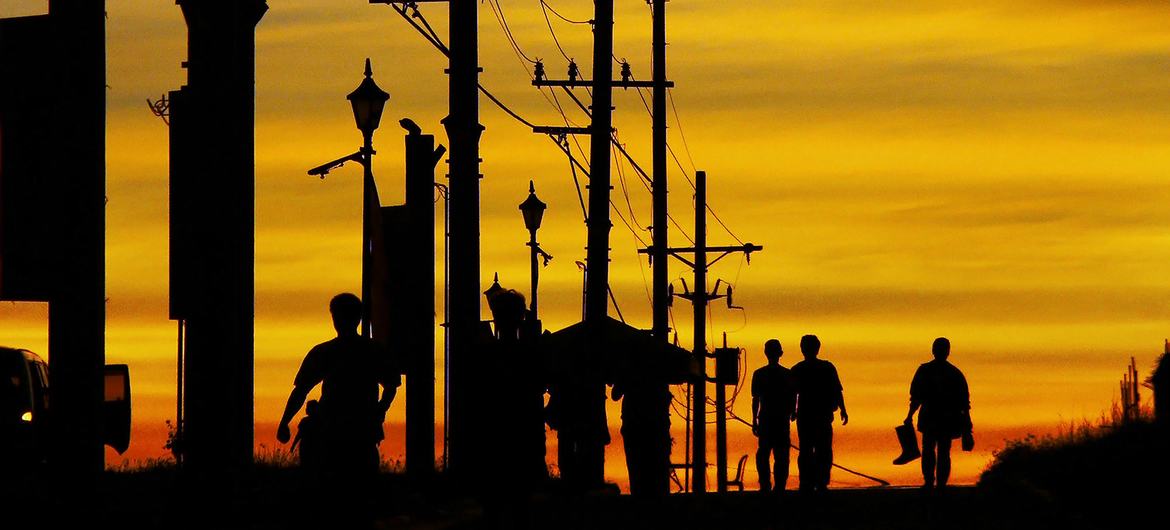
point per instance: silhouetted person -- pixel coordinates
(818, 396)
(349, 369)
(773, 406)
(516, 397)
(940, 390)
(307, 442)
(645, 431)
(582, 433)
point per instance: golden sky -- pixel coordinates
(984, 171)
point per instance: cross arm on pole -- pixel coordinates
(746, 248)
(574, 83)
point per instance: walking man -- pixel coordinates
(349, 369)
(819, 395)
(940, 391)
(773, 405)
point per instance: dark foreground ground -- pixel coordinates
(281, 498)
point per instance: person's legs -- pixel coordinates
(782, 450)
(634, 461)
(804, 460)
(929, 446)
(944, 460)
(763, 449)
(825, 456)
(658, 464)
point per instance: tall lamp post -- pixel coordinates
(533, 210)
(367, 101)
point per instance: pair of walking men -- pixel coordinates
(811, 392)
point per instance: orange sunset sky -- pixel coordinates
(988, 171)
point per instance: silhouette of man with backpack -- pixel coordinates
(940, 390)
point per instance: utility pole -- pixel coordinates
(699, 299)
(463, 133)
(598, 222)
(463, 306)
(597, 252)
(658, 259)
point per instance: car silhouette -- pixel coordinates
(26, 412)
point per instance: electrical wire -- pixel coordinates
(544, 8)
(881, 482)
(498, 11)
(678, 125)
(562, 17)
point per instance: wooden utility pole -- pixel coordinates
(699, 299)
(598, 222)
(463, 132)
(597, 253)
(699, 396)
(658, 258)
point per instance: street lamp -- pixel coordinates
(367, 101)
(533, 210)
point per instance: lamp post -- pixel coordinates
(367, 101)
(533, 210)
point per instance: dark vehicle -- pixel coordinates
(24, 405)
(25, 411)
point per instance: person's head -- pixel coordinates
(773, 351)
(346, 309)
(508, 309)
(311, 407)
(941, 348)
(810, 346)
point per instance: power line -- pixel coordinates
(562, 17)
(544, 8)
(435, 41)
(498, 11)
(678, 124)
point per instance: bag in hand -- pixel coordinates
(968, 441)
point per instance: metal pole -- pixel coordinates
(463, 132)
(179, 397)
(687, 470)
(368, 193)
(699, 404)
(535, 274)
(721, 428)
